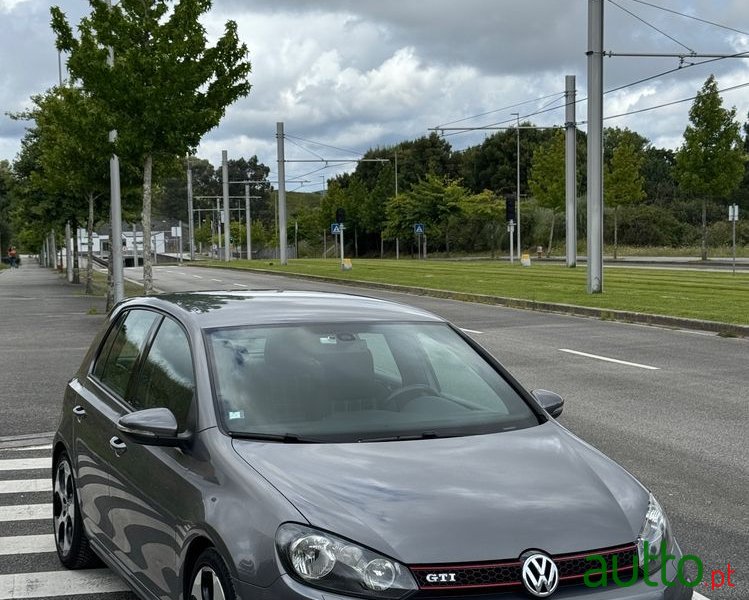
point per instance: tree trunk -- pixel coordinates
(382, 246)
(90, 253)
(76, 264)
(704, 229)
(146, 220)
(616, 236)
(551, 232)
(447, 240)
(356, 242)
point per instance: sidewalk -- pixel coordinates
(45, 329)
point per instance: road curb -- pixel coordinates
(605, 314)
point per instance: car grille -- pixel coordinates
(499, 575)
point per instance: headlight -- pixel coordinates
(655, 531)
(326, 561)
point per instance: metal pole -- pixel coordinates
(511, 229)
(517, 183)
(227, 216)
(425, 246)
(341, 244)
(595, 146)
(324, 243)
(53, 252)
(282, 195)
(296, 239)
(248, 220)
(570, 162)
(115, 210)
(68, 252)
(397, 249)
(135, 245)
(180, 241)
(190, 226)
(219, 218)
(734, 245)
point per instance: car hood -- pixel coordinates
(474, 498)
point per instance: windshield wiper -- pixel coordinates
(285, 438)
(425, 435)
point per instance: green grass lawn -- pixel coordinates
(694, 294)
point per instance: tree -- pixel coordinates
(546, 181)
(6, 187)
(710, 163)
(623, 182)
(166, 87)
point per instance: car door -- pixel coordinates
(150, 488)
(97, 407)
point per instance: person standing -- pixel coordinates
(13, 257)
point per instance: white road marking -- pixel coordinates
(23, 464)
(59, 583)
(219, 280)
(607, 359)
(27, 544)
(21, 486)
(180, 273)
(698, 596)
(197, 277)
(44, 446)
(470, 330)
(25, 512)
(241, 285)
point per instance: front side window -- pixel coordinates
(114, 369)
(167, 378)
(358, 382)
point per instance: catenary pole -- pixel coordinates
(227, 217)
(248, 220)
(570, 162)
(115, 209)
(595, 146)
(281, 193)
(190, 225)
(517, 185)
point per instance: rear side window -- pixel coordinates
(167, 379)
(114, 369)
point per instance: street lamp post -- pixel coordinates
(517, 185)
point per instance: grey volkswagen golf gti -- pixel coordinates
(309, 446)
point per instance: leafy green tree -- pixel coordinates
(166, 88)
(483, 214)
(710, 163)
(623, 181)
(6, 189)
(547, 178)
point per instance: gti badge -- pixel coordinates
(540, 575)
(441, 577)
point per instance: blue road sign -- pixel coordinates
(419, 228)
(335, 228)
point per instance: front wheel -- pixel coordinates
(210, 578)
(71, 542)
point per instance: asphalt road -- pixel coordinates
(676, 416)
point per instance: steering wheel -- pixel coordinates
(399, 398)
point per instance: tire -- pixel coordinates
(210, 578)
(71, 542)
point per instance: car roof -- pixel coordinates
(226, 308)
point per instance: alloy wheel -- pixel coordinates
(64, 510)
(207, 586)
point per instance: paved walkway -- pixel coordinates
(45, 329)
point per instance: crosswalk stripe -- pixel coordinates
(25, 512)
(24, 464)
(29, 448)
(27, 544)
(20, 486)
(59, 583)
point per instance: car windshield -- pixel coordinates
(358, 382)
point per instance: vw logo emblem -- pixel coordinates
(540, 575)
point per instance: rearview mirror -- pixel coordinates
(552, 403)
(151, 427)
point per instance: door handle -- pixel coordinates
(118, 446)
(79, 411)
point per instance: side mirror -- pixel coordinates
(151, 427)
(552, 403)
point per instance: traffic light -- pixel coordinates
(340, 215)
(510, 208)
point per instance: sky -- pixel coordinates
(348, 75)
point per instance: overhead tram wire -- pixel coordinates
(663, 105)
(347, 150)
(639, 18)
(489, 112)
(686, 16)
